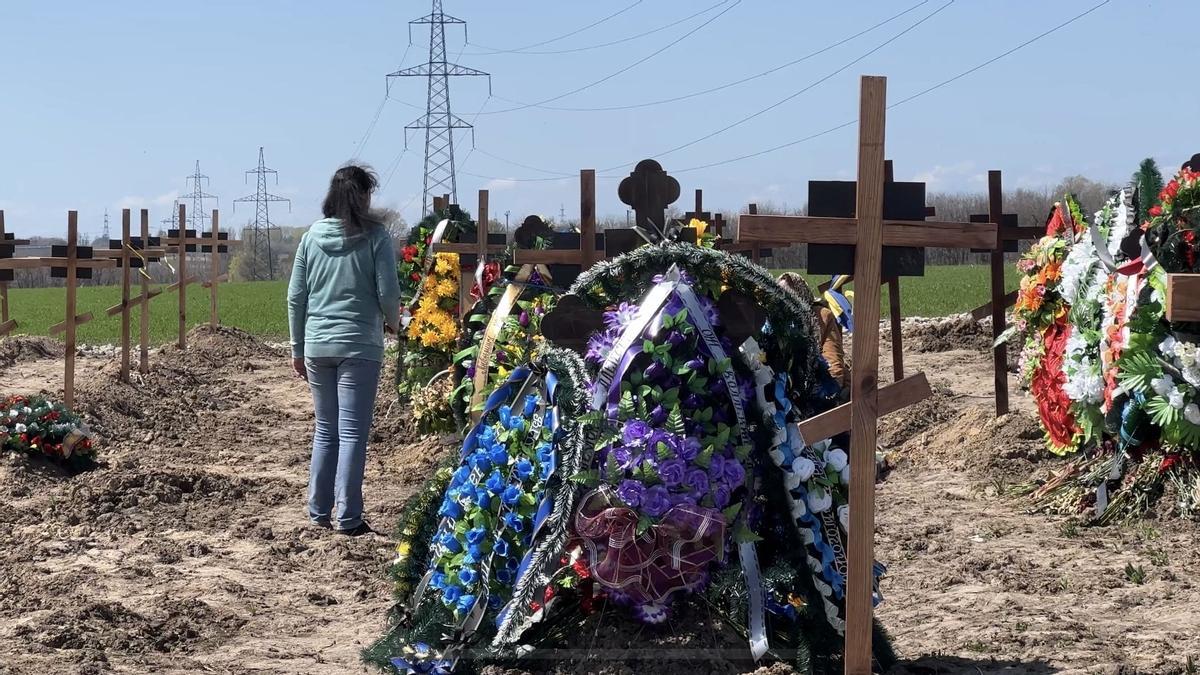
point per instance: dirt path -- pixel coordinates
(190, 551)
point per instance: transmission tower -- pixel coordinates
(196, 215)
(262, 262)
(438, 121)
(104, 236)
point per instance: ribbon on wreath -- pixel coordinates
(483, 358)
(426, 264)
(669, 556)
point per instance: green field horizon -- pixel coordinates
(259, 307)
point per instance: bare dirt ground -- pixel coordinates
(187, 549)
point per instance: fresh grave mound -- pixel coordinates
(945, 334)
(660, 469)
(226, 346)
(1117, 385)
(22, 348)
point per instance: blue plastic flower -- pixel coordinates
(450, 509)
(450, 594)
(524, 468)
(547, 469)
(475, 535)
(505, 576)
(437, 580)
(514, 521)
(493, 601)
(483, 499)
(498, 455)
(512, 564)
(487, 436)
(505, 414)
(475, 551)
(480, 460)
(466, 602)
(500, 548)
(468, 576)
(530, 404)
(545, 452)
(495, 483)
(511, 495)
(460, 476)
(451, 543)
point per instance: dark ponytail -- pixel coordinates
(349, 197)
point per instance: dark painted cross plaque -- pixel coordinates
(649, 190)
(836, 199)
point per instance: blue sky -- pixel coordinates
(110, 104)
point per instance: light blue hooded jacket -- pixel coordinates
(343, 289)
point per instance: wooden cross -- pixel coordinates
(1008, 233)
(1183, 297)
(473, 253)
(868, 232)
(716, 222)
(587, 254)
(8, 245)
(70, 262)
(649, 190)
(186, 241)
(132, 253)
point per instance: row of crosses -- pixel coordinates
(73, 262)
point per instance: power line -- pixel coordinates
(902, 101)
(744, 80)
(671, 43)
(631, 38)
(518, 50)
(793, 95)
(851, 122)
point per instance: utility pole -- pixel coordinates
(197, 215)
(262, 262)
(438, 121)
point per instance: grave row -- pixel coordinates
(73, 262)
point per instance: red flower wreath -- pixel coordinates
(1054, 406)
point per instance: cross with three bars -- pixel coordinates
(868, 232)
(134, 253)
(185, 241)
(8, 244)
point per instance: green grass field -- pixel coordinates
(256, 307)
(944, 290)
(259, 307)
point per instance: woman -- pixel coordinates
(342, 296)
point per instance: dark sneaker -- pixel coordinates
(323, 524)
(363, 528)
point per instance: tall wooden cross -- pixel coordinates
(185, 242)
(8, 245)
(868, 232)
(473, 253)
(1008, 233)
(132, 253)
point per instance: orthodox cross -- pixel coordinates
(649, 190)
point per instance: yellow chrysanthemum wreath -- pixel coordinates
(434, 323)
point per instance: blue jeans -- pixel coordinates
(343, 392)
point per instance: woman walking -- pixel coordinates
(343, 294)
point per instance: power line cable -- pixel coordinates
(378, 112)
(851, 122)
(519, 50)
(907, 99)
(612, 43)
(733, 83)
(668, 45)
(800, 92)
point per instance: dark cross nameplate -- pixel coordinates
(1010, 220)
(221, 248)
(836, 199)
(7, 247)
(81, 252)
(190, 234)
(469, 234)
(136, 244)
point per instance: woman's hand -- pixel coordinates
(299, 368)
